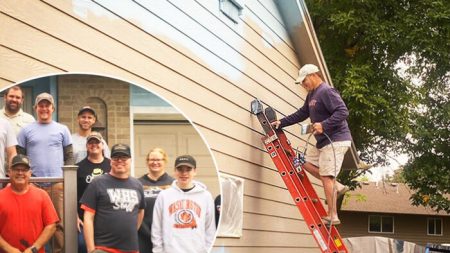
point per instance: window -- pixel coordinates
(231, 8)
(381, 224)
(434, 226)
(232, 207)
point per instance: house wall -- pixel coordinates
(407, 227)
(204, 64)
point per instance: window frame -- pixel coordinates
(435, 219)
(381, 224)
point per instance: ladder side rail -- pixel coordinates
(315, 223)
(303, 177)
(305, 182)
(297, 193)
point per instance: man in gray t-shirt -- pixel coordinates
(86, 119)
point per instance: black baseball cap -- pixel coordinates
(20, 160)
(120, 149)
(186, 160)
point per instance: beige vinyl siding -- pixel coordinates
(213, 87)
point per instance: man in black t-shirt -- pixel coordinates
(113, 207)
(94, 165)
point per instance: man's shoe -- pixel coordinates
(327, 220)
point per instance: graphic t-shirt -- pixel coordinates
(116, 203)
(86, 172)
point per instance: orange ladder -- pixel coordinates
(290, 168)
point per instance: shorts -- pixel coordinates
(324, 158)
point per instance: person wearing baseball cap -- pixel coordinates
(113, 206)
(28, 218)
(191, 213)
(94, 165)
(328, 114)
(49, 145)
(86, 119)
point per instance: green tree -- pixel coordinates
(429, 171)
(390, 59)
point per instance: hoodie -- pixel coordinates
(183, 222)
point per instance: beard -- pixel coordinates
(12, 107)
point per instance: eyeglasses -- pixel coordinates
(155, 160)
(121, 158)
(184, 169)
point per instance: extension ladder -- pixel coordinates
(289, 166)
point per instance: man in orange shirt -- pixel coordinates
(27, 216)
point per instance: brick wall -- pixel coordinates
(109, 97)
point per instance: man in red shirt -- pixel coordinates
(27, 216)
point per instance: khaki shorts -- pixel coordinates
(324, 158)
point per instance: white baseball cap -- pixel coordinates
(304, 71)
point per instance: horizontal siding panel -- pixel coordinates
(260, 159)
(271, 7)
(164, 53)
(160, 75)
(27, 37)
(260, 190)
(259, 222)
(259, 55)
(4, 83)
(254, 188)
(247, 170)
(268, 17)
(15, 66)
(268, 34)
(192, 34)
(237, 149)
(269, 239)
(270, 207)
(258, 35)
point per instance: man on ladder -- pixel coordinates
(328, 114)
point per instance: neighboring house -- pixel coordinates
(209, 59)
(385, 210)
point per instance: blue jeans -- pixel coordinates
(81, 243)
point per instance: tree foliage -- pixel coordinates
(390, 59)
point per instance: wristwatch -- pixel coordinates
(34, 249)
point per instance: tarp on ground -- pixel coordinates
(376, 244)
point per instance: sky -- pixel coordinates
(395, 163)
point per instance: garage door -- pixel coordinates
(176, 138)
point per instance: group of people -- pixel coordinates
(117, 212)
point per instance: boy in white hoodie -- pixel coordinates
(183, 217)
